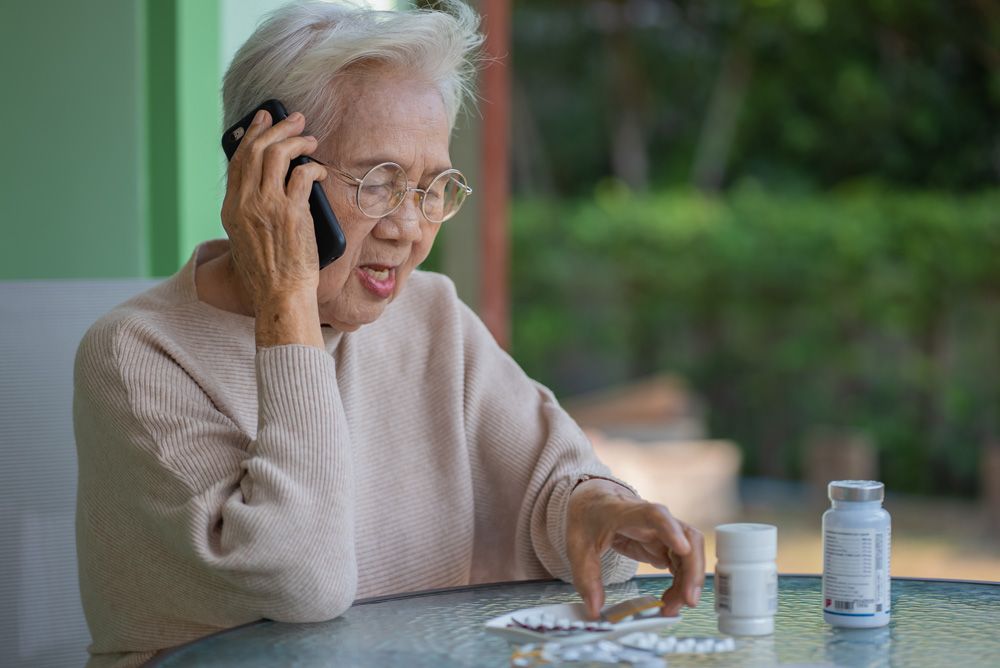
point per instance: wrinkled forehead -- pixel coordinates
(387, 115)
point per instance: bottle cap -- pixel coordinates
(746, 542)
(856, 490)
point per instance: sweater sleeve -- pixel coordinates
(527, 454)
(187, 525)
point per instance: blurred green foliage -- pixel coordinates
(875, 311)
(795, 94)
(793, 203)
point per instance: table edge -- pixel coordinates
(162, 656)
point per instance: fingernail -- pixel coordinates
(294, 117)
(259, 117)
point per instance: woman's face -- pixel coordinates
(386, 119)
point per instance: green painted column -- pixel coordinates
(182, 129)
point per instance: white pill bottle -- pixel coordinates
(857, 539)
(746, 578)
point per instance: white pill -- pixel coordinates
(704, 646)
(666, 645)
(571, 655)
(605, 626)
(725, 645)
(685, 646)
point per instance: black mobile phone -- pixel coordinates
(329, 237)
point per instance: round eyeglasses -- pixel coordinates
(383, 188)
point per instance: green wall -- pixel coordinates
(72, 179)
(111, 165)
(110, 159)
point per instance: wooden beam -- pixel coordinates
(494, 185)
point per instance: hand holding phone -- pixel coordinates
(329, 237)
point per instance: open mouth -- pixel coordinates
(378, 280)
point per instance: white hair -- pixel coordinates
(298, 52)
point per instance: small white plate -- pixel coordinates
(575, 612)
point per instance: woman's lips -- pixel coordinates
(377, 279)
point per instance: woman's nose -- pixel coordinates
(403, 224)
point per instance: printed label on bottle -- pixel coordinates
(723, 592)
(746, 594)
(856, 572)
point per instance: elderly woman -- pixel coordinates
(259, 438)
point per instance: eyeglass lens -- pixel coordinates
(383, 189)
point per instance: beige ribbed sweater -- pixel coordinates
(221, 484)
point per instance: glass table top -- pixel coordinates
(934, 623)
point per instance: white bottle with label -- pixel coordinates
(857, 538)
(746, 578)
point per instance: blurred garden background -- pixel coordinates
(792, 205)
(769, 227)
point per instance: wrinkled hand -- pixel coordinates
(604, 515)
(271, 230)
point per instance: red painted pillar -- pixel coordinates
(495, 170)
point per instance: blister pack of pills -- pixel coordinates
(568, 623)
(641, 650)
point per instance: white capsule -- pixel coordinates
(685, 646)
(666, 645)
(578, 625)
(571, 655)
(605, 626)
(704, 646)
(725, 645)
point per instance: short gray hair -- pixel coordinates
(300, 49)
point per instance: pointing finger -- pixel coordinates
(586, 567)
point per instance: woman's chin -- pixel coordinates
(351, 321)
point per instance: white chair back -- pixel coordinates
(41, 324)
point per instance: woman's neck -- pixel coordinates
(219, 285)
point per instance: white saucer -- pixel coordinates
(573, 612)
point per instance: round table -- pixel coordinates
(934, 623)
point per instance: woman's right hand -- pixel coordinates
(271, 230)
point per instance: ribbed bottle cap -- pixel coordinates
(856, 490)
(746, 542)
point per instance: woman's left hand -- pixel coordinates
(603, 515)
